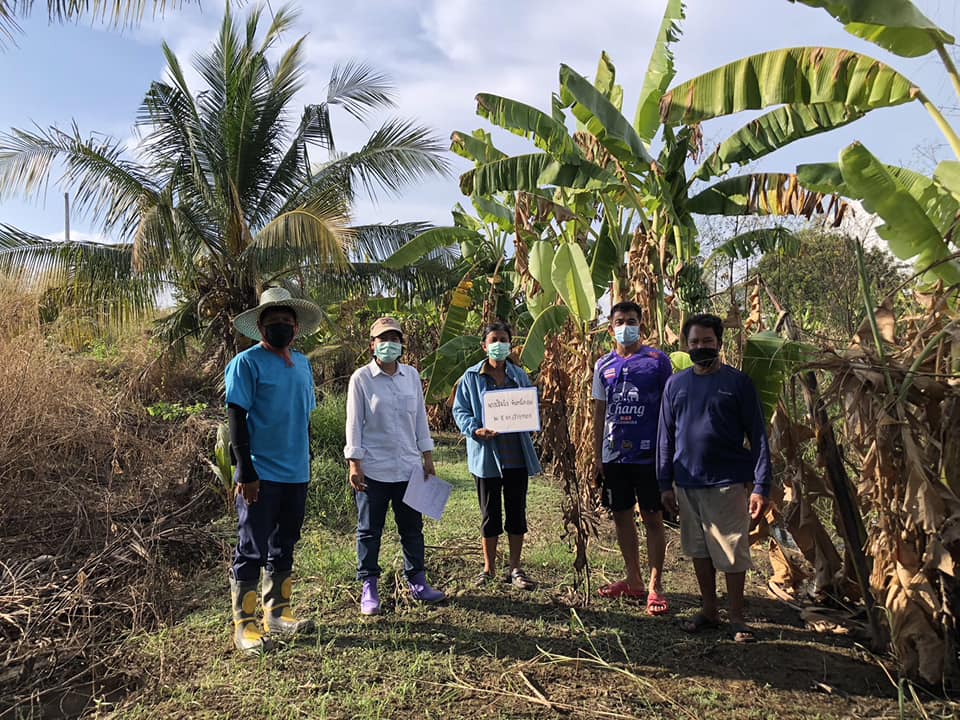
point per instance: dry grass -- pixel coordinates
(102, 517)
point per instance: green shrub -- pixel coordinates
(171, 411)
(328, 425)
(329, 499)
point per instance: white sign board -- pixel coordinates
(510, 411)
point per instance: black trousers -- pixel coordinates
(268, 529)
(499, 495)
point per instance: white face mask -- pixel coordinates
(498, 350)
(387, 351)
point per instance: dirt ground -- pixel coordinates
(498, 652)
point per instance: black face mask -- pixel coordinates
(278, 335)
(703, 357)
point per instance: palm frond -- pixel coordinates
(378, 242)
(316, 231)
(398, 154)
(127, 13)
(428, 280)
(359, 89)
(93, 274)
(106, 189)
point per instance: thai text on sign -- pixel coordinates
(512, 410)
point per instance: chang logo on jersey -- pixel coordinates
(627, 401)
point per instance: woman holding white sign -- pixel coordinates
(501, 462)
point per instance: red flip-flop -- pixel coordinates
(657, 603)
(620, 589)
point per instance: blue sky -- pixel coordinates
(440, 53)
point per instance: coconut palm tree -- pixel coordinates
(222, 195)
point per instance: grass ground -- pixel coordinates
(497, 652)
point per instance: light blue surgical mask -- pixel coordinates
(498, 350)
(387, 351)
(627, 334)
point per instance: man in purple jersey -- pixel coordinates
(627, 385)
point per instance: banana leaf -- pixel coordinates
(606, 81)
(455, 322)
(823, 177)
(529, 122)
(793, 76)
(769, 360)
(493, 212)
(760, 242)
(533, 172)
(573, 281)
(934, 195)
(445, 366)
(680, 360)
(605, 260)
(660, 72)
(894, 25)
(550, 321)
(477, 147)
(426, 242)
(910, 232)
(759, 194)
(602, 119)
(773, 131)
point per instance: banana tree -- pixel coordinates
(919, 217)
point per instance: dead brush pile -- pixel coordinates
(901, 403)
(104, 516)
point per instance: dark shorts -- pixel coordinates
(625, 485)
(501, 496)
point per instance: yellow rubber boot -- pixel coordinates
(246, 634)
(277, 616)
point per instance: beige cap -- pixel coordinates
(383, 325)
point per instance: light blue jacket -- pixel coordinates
(482, 456)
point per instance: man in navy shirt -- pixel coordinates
(711, 447)
(269, 400)
(627, 385)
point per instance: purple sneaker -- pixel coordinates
(421, 590)
(370, 598)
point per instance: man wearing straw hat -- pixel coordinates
(269, 400)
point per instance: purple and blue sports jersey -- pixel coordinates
(631, 386)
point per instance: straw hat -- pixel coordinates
(308, 313)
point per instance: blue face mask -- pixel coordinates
(387, 351)
(627, 334)
(498, 350)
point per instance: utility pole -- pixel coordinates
(66, 216)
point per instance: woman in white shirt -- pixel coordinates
(388, 439)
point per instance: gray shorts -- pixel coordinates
(715, 524)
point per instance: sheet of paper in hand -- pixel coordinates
(429, 496)
(512, 410)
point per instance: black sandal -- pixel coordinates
(741, 633)
(698, 623)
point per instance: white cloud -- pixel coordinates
(440, 53)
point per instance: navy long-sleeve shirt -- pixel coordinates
(712, 432)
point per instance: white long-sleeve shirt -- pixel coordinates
(387, 422)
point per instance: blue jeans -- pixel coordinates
(371, 516)
(268, 529)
